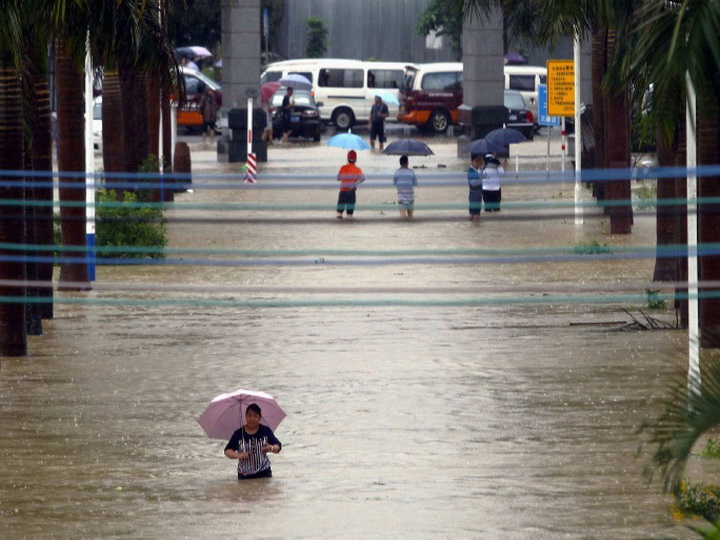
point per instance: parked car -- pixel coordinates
(304, 117)
(195, 82)
(519, 116)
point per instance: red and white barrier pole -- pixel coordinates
(251, 165)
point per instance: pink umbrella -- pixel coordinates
(226, 413)
(267, 90)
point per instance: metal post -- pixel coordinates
(578, 135)
(692, 241)
(251, 165)
(89, 168)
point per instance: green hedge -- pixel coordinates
(137, 230)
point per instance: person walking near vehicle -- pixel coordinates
(405, 182)
(267, 134)
(288, 103)
(349, 177)
(378, 113)
(475, 185)
(491, 191)
(251, 444)
(208, 109)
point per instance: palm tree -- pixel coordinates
(71, 165)
(690, 410)
(13, 336)
(133, 46)
(40, 153)
(675, 40)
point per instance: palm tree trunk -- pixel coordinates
(71, 159)
(708, 142)
(112, 139)
(667, 213)
(134, 115)
(41, 162)
(33, 318)
(681, 227)
(13, 336)
(599, 61)
(617, 153)
(153, 127)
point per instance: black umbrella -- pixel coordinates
(505, 137)
(408, 147)
(484, 146)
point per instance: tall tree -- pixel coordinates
(679, 41)
(13, 336)
(71, 168)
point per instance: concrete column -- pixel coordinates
(483, 79)
(241, 39)
(241, 51)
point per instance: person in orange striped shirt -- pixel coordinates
(349, 177)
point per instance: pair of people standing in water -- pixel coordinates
(483, 177)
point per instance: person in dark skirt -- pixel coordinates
(251, 444)
(491, 191)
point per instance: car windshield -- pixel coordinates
(300, 97)
(514, 101)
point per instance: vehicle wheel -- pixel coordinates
(530, 134)
(316, 137)
(439, 122)
(343, 119)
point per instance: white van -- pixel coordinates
(526, 80)
(346, 88)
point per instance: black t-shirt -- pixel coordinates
(252, 444)
(286, 106)
(376, 111)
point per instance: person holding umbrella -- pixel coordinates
(405, 182)
(288, 103)
(378, 113)
(475, 185)
(491, 191)
(251, 444)
(349, 177)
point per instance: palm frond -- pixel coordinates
(690, 410)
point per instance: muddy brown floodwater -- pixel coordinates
(427, 397)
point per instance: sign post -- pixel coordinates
(561, 102)
(544, 119)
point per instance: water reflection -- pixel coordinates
(500, 421)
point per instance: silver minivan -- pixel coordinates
(526, 80)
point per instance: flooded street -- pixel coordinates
(440, 379)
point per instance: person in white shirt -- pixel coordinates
(405, 182)
(491, 191)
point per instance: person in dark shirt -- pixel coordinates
(251, 444)
(378, 113)
(288, 103)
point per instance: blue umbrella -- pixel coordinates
(387, 97)
(348, 141)
(408, 147)
(483, 146)
(505, 136)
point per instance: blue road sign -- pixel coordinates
(543, 118)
